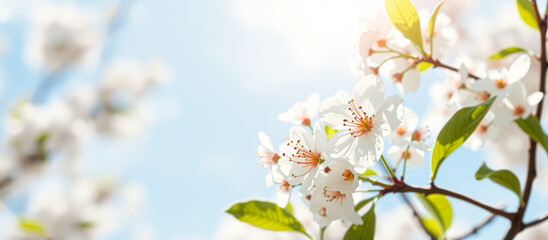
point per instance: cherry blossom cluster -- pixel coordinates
(326, 166)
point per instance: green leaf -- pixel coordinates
(432, 23)
(289, 208)
(423, 66)
(504, 178)
(525, 9)
(370, 172)
(362, 203)
(405, 18)
(366, 231)
(266, 215)
(510, 50)
(33, 227)
(439, 207)
(456, 131)
(532, 127)
(329, 131)
(432, 226)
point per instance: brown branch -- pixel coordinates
(533, 223)
(478, 227)
(416, 215)
(401, 187)
(517, 223)
(437, 63)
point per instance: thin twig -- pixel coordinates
(477, 228)
(416, 215)
(437, 63)
(533, 223)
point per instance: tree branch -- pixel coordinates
(517, 223)
(416, 215)
(401, 187)
(533, 223)
(437, 63)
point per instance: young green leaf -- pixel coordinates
(432, 23)
(366, 231)
(504, 178)
(432, 226)
(289, 208)
(362, 203)
(329, 131)
(405, 18)
(510, 50)
(525, 9)
(456, 131)
(440, 209)
(266, 215)
(532, 127)
(33, 227)
(423, 66)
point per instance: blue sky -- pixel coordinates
(233, 73)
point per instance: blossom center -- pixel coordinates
(381, 43)
(405, 155)
(269, 158)
(303, 156)
(397, 77)
(361, 123)
(482, 95)
(306, 121)
(348, 175)
(400, 131)
(420, 134)
(500, 83)
(284, 186)
(519, 110)
(322, 212)
(334, 196)
(481, 129)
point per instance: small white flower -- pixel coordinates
(283, 188)
(518, 104)
(301, 112)
(302, 155)
(407, 132)
(268, 156)
(485, 131)
(331, 198)
(362, 120)
(499, 82)
(414, 156)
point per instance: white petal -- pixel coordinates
(392, 110)
(519, 68)
(410, 81)
(334, 110)
(535, 98)
(312, 105)
(369, 93)
(320, 137)
(305, 137)
(265, 141)
(282, 198)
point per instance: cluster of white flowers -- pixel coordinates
(325, 159)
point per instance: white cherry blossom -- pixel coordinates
(487, 130)
(362, 120)
(518, 104)
(268, 156)
(301, 113)
(302, 155)
(413, 155)
(331, 198)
